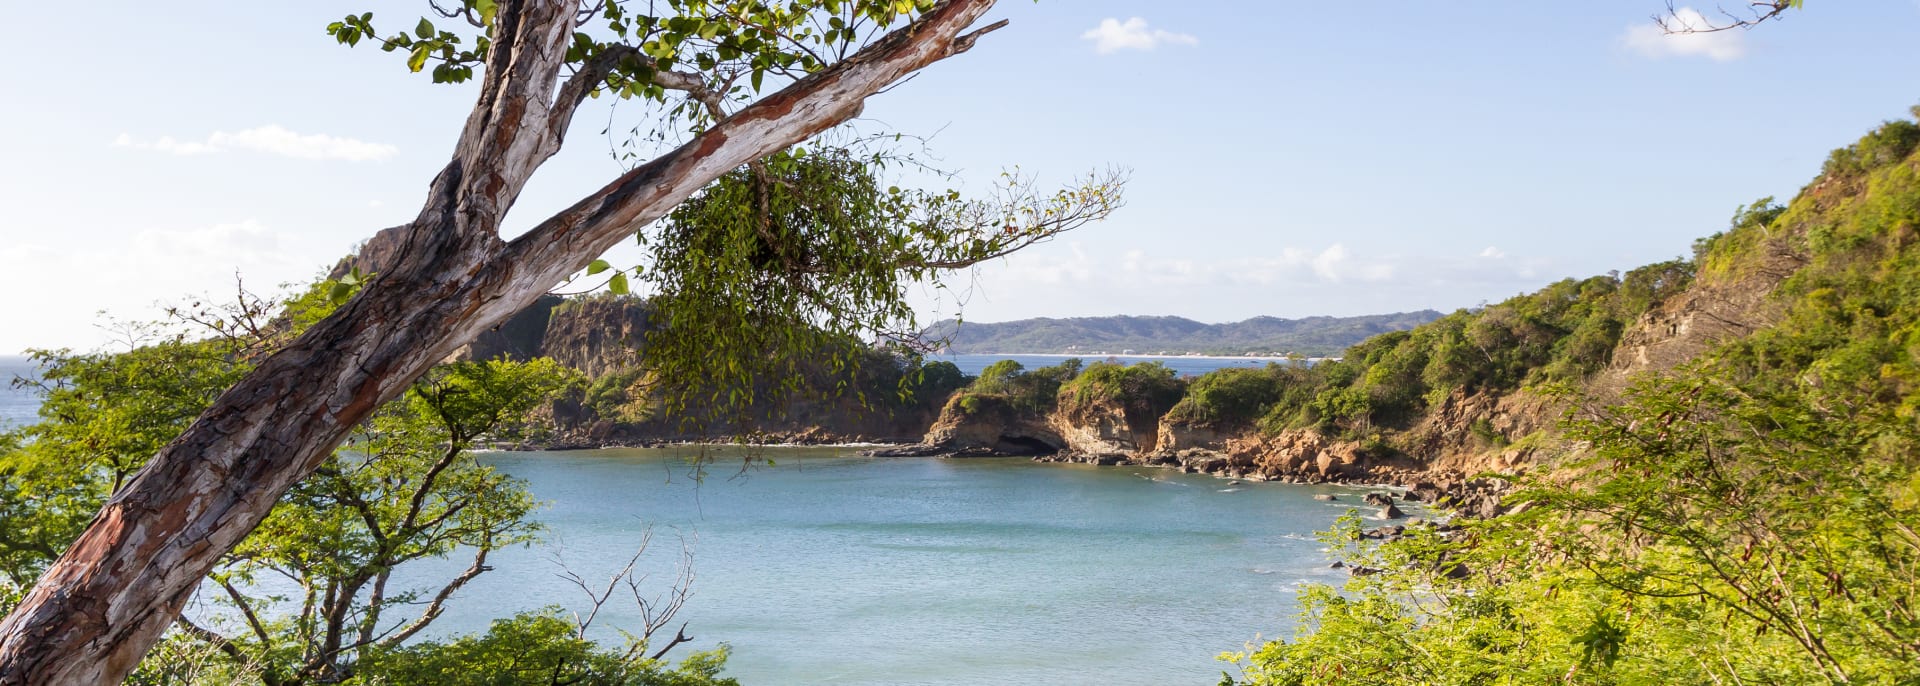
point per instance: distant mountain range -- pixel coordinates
(1311, 336)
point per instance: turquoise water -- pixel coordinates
(835, 569)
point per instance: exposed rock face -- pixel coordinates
(597, 336)
(1105, 429)
(1177, 436)
(988, 425)
(1711, 311)
(522, 337)
(1471, 433)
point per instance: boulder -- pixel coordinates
(1329, 497)
(1391, 512)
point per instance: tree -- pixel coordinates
(113, 593)
(405, 488)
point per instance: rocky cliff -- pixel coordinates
(1475, 393)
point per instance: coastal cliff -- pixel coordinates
(1473, 394)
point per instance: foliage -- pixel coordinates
(778, 268)
(1143, 391)
(1231, 397)
(730, 40)
(1748, 518)
(782, 265)
(1031, 392)
(1561, 333)
(405, 488)
(535, 649)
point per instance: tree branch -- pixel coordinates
(112, 595)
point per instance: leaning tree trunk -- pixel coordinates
(101, 605)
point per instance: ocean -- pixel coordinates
(830, 568)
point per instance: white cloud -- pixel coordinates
(1113, 35)
(165, 144)
(1656, 42)
(1493, 253)
(133, 275)
(1077, 268)
(270, 139)
(218, 248)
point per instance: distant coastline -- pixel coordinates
(1155, 336)
(1156, 356)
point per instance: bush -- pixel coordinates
(535, 649)
(1147, 389)
(1229, 398)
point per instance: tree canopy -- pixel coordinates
(747, 79)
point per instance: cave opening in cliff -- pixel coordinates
(1026, 445)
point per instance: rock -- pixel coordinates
(1329, 497)
(920, 450)
(1357, 570)
(1377, 499)
(1391, 512)
(1337, 565)
(1233, 483)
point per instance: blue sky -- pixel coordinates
(1288, 159)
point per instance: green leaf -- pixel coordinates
(618, 285)
(425, 29)
(418, 58)
(339, 292)
(598, 266)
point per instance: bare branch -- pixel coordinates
(213, 639)
(439, 602)
(1673, 22)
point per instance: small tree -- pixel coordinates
(448, 274)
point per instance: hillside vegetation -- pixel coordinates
(1747, 517)
(1703, 471)
(1310, 336)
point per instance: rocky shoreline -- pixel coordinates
(1464, 494)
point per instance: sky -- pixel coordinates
(1286, 159)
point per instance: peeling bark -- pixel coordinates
(98, 609)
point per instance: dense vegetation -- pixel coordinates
(404, 489)
(1311, 336)
(1142, 391)
(1749, 517)
(1560, 334)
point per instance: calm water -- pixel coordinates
(834, 569)
(1182, 365)
(17, 406)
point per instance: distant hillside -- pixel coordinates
(1312, 336)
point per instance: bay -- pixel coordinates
(829, 568)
